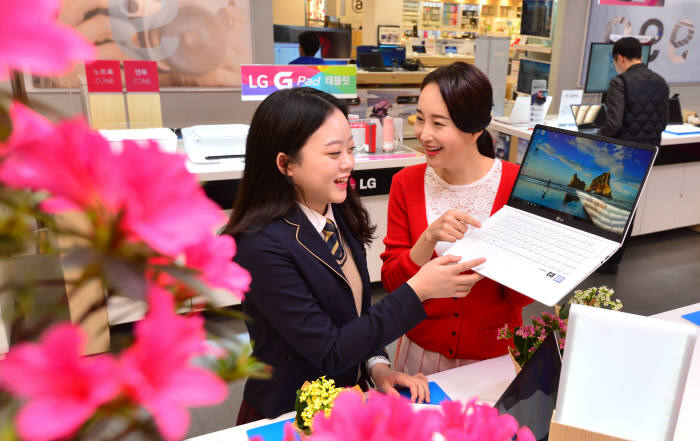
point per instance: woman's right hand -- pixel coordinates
(450, 227)
(442, 277)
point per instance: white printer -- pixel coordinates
(207, 143)
(166, 138)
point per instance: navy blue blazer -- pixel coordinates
(304, 320)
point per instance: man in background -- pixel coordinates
(308, 46)
(637, 109)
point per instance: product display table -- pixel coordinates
(671, 198)
(489, 378)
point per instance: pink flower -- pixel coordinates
(381, 418)
(159, 202)
(165, 205)
(73, 163)
(476, 422)
(157, 370)
(27, 126)
(62, 388)
(214, 259)
(33, 40)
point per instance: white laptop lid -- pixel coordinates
(584, 181)
(623, 375)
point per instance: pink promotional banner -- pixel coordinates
(141, 76)
(632, 2)
(259, 81)
(103, 76)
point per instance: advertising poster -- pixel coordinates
(668, 24)
(261, 80)
(196, 43)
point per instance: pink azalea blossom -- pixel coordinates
(62, 388)
(157, 370)
(159, 201)
(165, 205)
(381, 418)
(27, 126)
(213, 258)
(74, 164)
(476, 422)
(33, 40)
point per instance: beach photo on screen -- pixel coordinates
(592, 180)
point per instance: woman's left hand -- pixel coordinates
(385, 379)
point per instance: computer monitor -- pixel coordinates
(450, 50)
(418, 48)
(531, 70)
(601, 68)
(389, 53)
(532, 396)
(286, 52)
(536, 18)
(335, 42)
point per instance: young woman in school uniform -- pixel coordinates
(431, 206)
(301, 232)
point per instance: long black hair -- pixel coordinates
(283, 122)
(469, 98)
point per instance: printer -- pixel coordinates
(207, 143)
(166, 138)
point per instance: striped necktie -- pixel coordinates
(330, 233)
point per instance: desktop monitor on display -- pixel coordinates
(601, 68)
(392, 55)
(531, 70)
(537, 18)
(418, 48)
(286, 52)
(450, 50)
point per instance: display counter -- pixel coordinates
(488, 379)
(396, 78)
(443, 60)
(671, 198)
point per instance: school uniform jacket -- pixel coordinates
(456, 327)
(304, 321)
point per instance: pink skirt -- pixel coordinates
(411, 358)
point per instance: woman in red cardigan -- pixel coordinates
(432, 205)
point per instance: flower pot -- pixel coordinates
(515, 362)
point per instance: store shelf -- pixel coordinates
(533, 48)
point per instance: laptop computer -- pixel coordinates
(589, 118)
(372, 62)
(568, 212)
(532, 396)
(521, 111)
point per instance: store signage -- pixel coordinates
(259, 81)
(670, 27)
(103, 76)
(141, 76)
(373, 182)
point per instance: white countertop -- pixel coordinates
(233, 168)
(488, 379)
(521, 131)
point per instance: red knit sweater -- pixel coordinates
(457, 328)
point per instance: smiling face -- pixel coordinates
(445, 145)
(322, 167)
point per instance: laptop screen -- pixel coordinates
(532, 396)
(585, 181)
(589, 116)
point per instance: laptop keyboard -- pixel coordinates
(556, 248)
